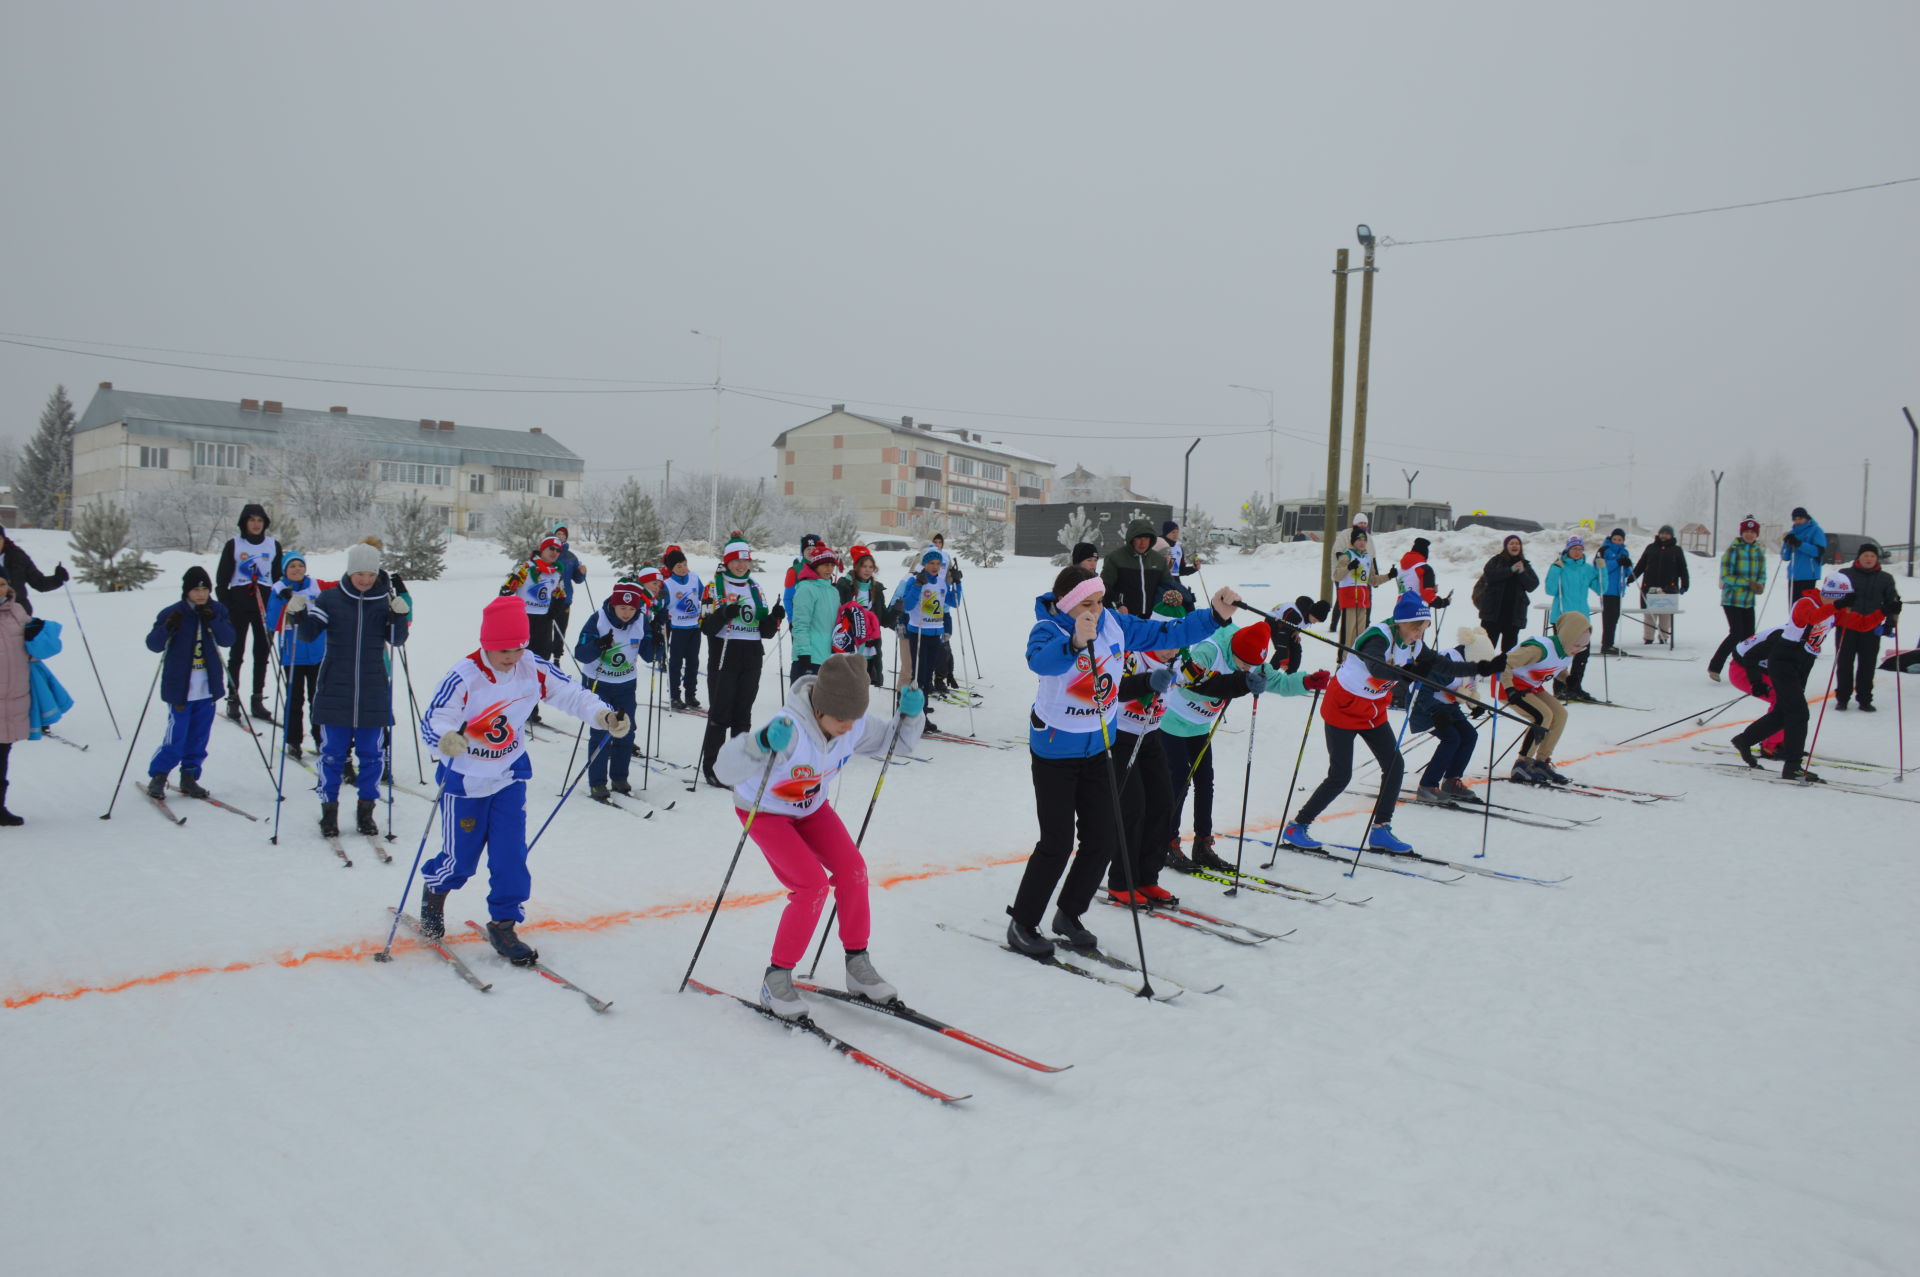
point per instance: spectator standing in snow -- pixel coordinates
(1569, 581)
(1615, 564)
(1804, 550)
(1743, 574)
(1858, 649)
(1501, 594)
(1662, 569)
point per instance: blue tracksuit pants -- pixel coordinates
(366, 744)
(496, 824)
(185, 744)
(616, 758)
(1457, 738)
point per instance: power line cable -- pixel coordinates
(1387, 241)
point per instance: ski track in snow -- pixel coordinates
(1693, 1058)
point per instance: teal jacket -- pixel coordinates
(1569, 582)
(1194, 678)
(815, 605)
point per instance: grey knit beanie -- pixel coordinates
(840, 689)
(362, 558)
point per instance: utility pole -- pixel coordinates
(1866, 471)
(1273, 493)
(1186, 472)
(1913, 487)
(1410, 478)
(666, 484)
(719, 356)
(1357, 483)
(1718, 475)
(1330, 500)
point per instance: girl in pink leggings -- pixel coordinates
(780, 777)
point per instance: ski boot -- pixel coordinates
(260, 710)
(865, 982)
(363, 821)
(233, 708)
(621, 786)
(191, 786)
(1839, 705)
(713, 781)
(1159, 895)
(1203, 856)
(1131, 899)
(1525, 772)
(1382, 839)
(676, 703)
(533, 719)
(510, 946)
(157, 787)
(778, 995)
(1544, 769)
(1432, 795)
(1713, 674)
(293, 750)
(1458, 791)
(1795, 771)
(329, 820)
(599, 793)
(1024, 939)
(1071, 933)
(1745, 750)
(1296, 835)
(1866, 707)
(433, 914)
(1177, 859)
(7, 817)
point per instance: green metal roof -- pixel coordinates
(385, 438)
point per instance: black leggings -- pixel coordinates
(1189, 766)
(1071, 795)
(1739, 627)
(1609, 619)
(247, 623)
(1146, 803)
(1380, 739)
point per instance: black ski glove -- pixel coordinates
(60, 576)
(606, 642)
(33, 629)
(173, 622)
(204, 612)
(1494, 666)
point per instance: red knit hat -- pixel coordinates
(648, 575)
(555, 544)
(503, 625)
(821, 553)
(1252, 643)
(627, 594)
(855, 553)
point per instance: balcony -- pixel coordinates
(1031, 494)
(926, 503)
(928, 472)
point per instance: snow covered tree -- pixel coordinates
(1260, 517)
(521, 529)
(287, 531)
(327, 481)
(100, 554)
(9, 460)
(747, 513)
(45, 482)
(633, 539)
(1077, 528)
(842, 526)
(416, 540)
(188, 515)
(981, 541)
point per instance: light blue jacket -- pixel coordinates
(1807, 560)
(1569, 582)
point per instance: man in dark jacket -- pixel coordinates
(1501, 594)
(1858, 650)
(353, 701)
(191, 633)
(1138, 577)
(1662, 569)
(249, 565)
(18, 567)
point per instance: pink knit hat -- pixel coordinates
(503, 626)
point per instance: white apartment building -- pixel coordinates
(128, 442)
(889, 470)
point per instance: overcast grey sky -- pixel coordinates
(1067, 210)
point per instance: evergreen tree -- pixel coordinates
(1260, 516)
(981, 541)
(416, 540)
(842, 525)
(286, 530)
(521, 530)
(100, 535)
(633, 539)
(46, 466)
(1077, 528)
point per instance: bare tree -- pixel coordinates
(842, 524)
(324, 480)
(182, 515)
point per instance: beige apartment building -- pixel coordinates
(886, 471)
(128, 442)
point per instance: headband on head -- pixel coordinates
(1081, 593)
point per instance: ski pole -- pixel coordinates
(1418, 678)
(1293, 784)
(1699, 719)
(128, 761)
(386, 757)
(746, 827)
(1120, 834)
(386, 954)
(568, 791)
(280, 787)
(1246, 792)
(1371, 819)
(67, 587)
(973, 646)
(1833, 669)
(413, 703)
(1899, 701)
(1486, 814)
(886, 765)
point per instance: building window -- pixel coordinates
(513, 480)
(217, 456)
(995, 501)
(789, 456)
(836, 472)
(980, 469)
(961, 497)
(930, 487)
(415, 473)
(925, 458)
(839, 441)
(557, 488)
(476, 522)
(1028, 479)
(476, 482)
(789, 487)
(993, 472)
(153, 458)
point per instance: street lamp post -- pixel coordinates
(1357, 486)
(1331, 501)
(1718, 475)
(1409, 478)
(719, 358)
(1622, 430)
(1272, 496)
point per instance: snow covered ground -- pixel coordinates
(1695, 1057)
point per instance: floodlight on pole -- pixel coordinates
(1273, 496)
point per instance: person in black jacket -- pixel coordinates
(249, 565)
(1873, 591)
(1501, 594)
(18, 567)
(1137, 576)
(191, 633)
(1662, 569)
